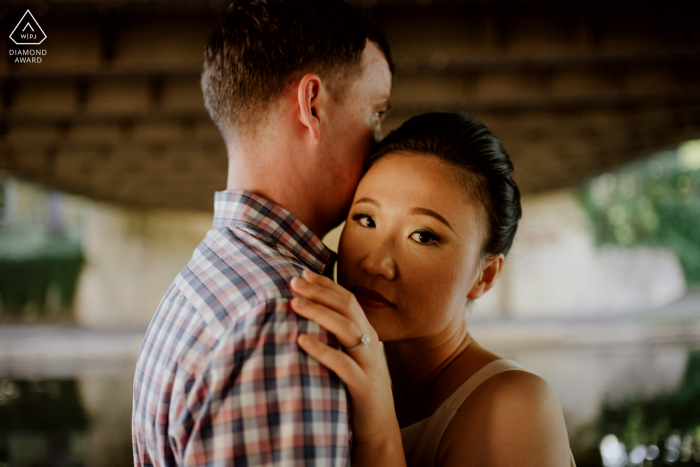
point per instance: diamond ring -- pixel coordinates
(364, 342)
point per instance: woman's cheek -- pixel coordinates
(350, 252)
(440, 274)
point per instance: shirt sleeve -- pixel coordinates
(261, 401)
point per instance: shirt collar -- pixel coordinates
(253, 212)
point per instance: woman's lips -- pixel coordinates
(371, 298)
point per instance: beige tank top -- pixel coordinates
(421, 440)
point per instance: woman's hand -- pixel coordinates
(377, 436)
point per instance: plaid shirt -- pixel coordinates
(220, 379)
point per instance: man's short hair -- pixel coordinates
(260, 47)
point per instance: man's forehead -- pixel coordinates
(373, 56)
(376, 70)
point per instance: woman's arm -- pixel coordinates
(513, 418)
(377, 436)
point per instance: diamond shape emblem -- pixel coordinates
(28, 31)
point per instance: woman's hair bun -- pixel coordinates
(467, 144)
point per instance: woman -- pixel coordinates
(430, 225)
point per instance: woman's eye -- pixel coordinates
(364, 220)
(423, 237)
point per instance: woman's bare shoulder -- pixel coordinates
(513, 418)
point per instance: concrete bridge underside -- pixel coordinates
(114, 111)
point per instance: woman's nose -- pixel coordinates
(380, 262)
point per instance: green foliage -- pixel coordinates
(38, 268)
(652, 421)
(652, 203)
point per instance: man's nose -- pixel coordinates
(380, 261)
(378, 135)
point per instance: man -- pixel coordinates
(297, 89)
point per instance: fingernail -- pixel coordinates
(310, 273)
(298, 282)
(302, 340)
(300, 301)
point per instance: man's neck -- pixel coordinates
(274, 174)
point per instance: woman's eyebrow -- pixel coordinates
(433, 214)
(368, 200)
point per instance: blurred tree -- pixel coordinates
(670, 422)
(655, 203)
(40, 256)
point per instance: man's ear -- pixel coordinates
(489, 273)
(310, 96)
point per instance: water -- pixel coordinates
(65, 422)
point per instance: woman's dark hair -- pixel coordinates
(467, 144)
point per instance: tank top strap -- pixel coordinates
(421, 439)
(455, 401)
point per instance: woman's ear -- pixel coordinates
(489, 273)
(310, 96)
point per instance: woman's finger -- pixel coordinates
(337, 298)
(338, 362)
(347, 332)
(323, 281)
(319, 284)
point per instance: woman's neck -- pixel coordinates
(416, 364)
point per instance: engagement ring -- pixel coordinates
(364, 342)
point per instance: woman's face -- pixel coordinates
(411, 248)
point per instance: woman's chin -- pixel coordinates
(385, 328)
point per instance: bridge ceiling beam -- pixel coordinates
(573, 89)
